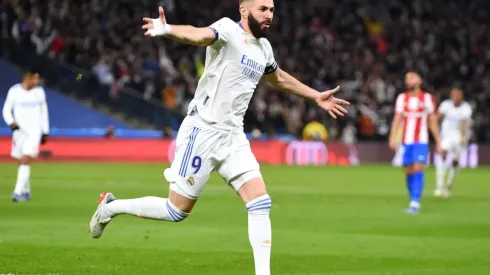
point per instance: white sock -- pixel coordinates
(147, 207)
(23, 175)
(440, 175)
(414, 204)
(451, 174)
(260, 233)
(27, 187)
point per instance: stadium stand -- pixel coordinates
(365, 48)
(65, 113)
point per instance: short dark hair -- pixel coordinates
(31, 69)
(243, 1)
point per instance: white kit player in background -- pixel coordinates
(455, 131)
(26, 112)
(211, 137)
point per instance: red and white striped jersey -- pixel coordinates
(415, 110)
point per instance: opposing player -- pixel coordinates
(456, 114)
(211, 137)
(26, 112)
(416, 110)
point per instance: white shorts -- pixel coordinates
(453, 146)
(202, 148)
(24, 144)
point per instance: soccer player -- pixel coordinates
(416, 110)
(211, 137)
(456, 114)
(26, 112)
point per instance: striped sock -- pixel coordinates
(260, 233)
(147, 207)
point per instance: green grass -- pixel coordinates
(330, 220)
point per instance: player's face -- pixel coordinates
(260, 17)
(34, 80)
(412, 81)
(457, 95)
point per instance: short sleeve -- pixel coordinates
(431, 104)
(444, 107)
(399, 108)
(468, 112)
(271, 64)
(223, 30)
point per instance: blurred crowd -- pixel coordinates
(363, 46)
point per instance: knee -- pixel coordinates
(176, 214)
(25, 160)
(260, 206)
(418, 167)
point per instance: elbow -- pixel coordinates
(278, 81)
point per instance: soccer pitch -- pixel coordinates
(328, 220)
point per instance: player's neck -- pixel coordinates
(26, 86)
(415, 92)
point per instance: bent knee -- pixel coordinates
(24, 160)
(260, 206)
(175, 213)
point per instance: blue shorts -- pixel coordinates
(415, 153)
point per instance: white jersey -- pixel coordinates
(453, 116)
(235, 63)
(28, 109)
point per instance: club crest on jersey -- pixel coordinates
(253, 69)
(190, 180)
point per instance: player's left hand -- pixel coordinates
(44, 138)
(331, 104)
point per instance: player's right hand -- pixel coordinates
(393, 144)
(14, 127)
(439, 149)
(156, 26)
(44, 138)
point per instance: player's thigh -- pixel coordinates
(193, 161)
(446, 145)
(407, 155)
(17, 143)
(242, 173)
(24, 147)
(420, 156)
(30, 148)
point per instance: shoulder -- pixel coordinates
(447, 102)
(14, 88)
(401, 96)
(265, 42)
(428, 97)
(40, 90)
(467, 106)
(225, 23)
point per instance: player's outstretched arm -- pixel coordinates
(182, 33)
(325, 100)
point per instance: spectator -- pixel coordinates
(366, 47)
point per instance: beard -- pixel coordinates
(256, 27)
(410, 87)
